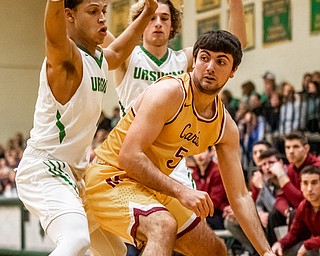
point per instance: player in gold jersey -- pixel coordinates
(128, 188)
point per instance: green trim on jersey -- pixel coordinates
(98, 60)
(56, 169)
(62, 131)
(159, 62)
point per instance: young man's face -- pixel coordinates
(310, 187)
(265, 165)
(296, 152)
(212, 70)
(256, 152)
(203, 159)
(158, 30)
(90, 21)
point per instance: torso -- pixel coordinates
(66, 131)
(187, 133)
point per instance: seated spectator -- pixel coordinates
(269, 86)
(272, 113)
(303, 237)
(298, 156)
(256, 179)
(207, 178)
(10, 189)
(270, 218)
(292, 111)
(248, 88)
(253, 126)
(231, 103)
(257, 182)
(312, 99)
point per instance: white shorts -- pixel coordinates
(183, 174)
(47, 187)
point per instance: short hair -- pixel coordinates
(72, 4)
(310, 169)
(268, 153)
(219, 41)
(176, 15)
(263, 142)
(297, 136)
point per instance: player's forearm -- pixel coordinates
(54, 22)
(130, 38)
(140, 168)
(247, 217)
(237, 22)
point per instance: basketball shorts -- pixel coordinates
(117, 202)
(47, 187)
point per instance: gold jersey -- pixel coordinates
(187, 133)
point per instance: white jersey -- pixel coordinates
(65, 132)
(144, 69)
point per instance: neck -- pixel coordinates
(156, 51)
(299, 164)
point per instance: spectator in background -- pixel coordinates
(313, 106)
(247, 88)
(104, 122)
(253, 131)
(265, 202)
(207, 178)
(292, 112)
(298, 155)
(272, 113)
(230, 221)
(256, 179)
(305, 80)
(303, 238)
(231, 103)
(316, 76)
(269, 82)
(115, 116)
(255, 104)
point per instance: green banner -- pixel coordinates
(276, 21)
(208, 24)
(315, 16)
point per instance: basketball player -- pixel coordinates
(129, 189)
(154, 59)
(72, 84)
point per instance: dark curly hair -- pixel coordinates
(220, 41)
(175, 13)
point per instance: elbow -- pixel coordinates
(123, 159)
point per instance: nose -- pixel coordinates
(210, 66)
(158, 22)
(102, 18)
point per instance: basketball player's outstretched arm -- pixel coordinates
(120, 49)
(240, 200)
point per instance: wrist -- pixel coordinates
(281, 175)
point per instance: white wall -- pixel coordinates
(22, 52)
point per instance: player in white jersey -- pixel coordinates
(154, 59)
(72, 84)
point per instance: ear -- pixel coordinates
(233, 72)
(307, 147)
(69, 14)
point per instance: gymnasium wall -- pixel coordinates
(22, 52)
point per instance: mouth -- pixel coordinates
(103, 30)
(210, 78)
